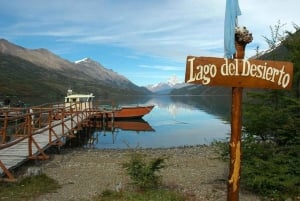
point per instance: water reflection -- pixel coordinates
(175, 121)
(100, 132)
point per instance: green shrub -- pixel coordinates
(28, 188)
(271, 171)
(144, 173)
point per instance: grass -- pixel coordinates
(146, 182)
(149, 195)
(27, 188)
(31, 187)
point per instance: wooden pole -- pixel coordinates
(235, 139)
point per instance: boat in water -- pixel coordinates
(116, 112)
(127, 111)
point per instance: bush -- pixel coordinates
(271, 172)
(143, 173)
(28, 188)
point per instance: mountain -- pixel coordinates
(96, 71)
(39, 75)
(40, 57)
(164, 88)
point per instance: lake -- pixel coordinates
(174, 121)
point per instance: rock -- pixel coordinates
(34, 171)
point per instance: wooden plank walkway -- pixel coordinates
(41, 139)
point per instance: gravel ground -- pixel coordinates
(84, 173)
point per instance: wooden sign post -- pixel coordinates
(235, 139)
(238, 73)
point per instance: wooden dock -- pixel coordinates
(36, 130)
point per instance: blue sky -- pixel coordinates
(146, 41)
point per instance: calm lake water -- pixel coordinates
(174, 121)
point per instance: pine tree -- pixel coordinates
(271, 134)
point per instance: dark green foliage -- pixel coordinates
(271, 170)
(144, 173)
(271, 146)
(271, 136)
(271, 152)
(292, 43)
(222, 149)
(28, 188)
(33, 84)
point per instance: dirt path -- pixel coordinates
(84, 173)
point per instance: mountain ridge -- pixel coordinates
(41, 56)
(30, 72)
(165, 87)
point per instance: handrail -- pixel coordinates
(39, 120)
(35, 118)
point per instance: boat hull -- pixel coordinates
(131, 112)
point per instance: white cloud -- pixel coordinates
(141, 25)
(160, 67)
(159, 28)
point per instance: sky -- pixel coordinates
(146, 41)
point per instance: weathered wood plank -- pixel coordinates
(17, 154)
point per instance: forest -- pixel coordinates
(271, 128)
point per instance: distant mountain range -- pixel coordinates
(165, 87)
(41, 74)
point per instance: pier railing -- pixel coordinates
(57, 121)
(19, 122)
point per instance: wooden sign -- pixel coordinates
(239, 72)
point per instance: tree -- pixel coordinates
(271, 134)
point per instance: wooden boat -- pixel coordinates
(119, 112)
(129, 111)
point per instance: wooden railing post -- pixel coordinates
(4, 128)
(10, 176)
(50, 117)
(29, 132)
(72, 116)
(63, 121)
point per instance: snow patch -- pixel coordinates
(82, 60)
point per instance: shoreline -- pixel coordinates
(83, 173)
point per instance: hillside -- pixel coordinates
(280, 53)
(39, 76)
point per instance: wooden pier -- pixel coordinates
(26, 133)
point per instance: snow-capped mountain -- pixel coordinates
(82, 60)
(166, 87)
(97, 71)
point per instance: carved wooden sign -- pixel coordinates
(239, 72)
